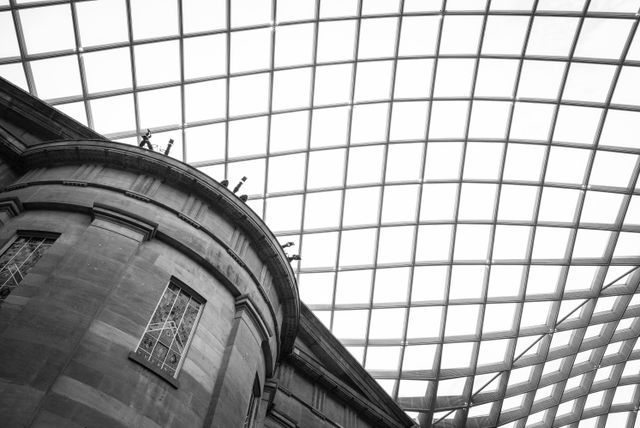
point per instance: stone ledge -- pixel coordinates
(155, 369)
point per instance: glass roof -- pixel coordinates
(459, 177)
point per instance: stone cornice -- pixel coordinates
(341, 363)
(182, 176)
(38, 117)
(322, 376)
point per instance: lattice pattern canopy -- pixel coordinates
(460, 177)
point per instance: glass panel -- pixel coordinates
(408, 121)
(322, 210)
(418, 35)
(286, 172)
(159, 107)
(454, 77)
(288, 131)
(489, 119)
(386, 323)
(424, 322)
(496, 77)
(203, 15)
(250, 50)
(164, 22)
(248, 94)
(357, 247)
(291, 89)
(113, 114)
(477, 201)
(467, 282)
(332, 84)
(395, 244)
(9, 45)
(369, 123)
(205, 101)
(399, 204)
(57, 77)
(205, 143)
(413, 78)
(551, 35)
(452, 27)
(504, 35)
(353, 287)
(361, 206)
(612, 169)
(322, 161)
(249, 12)
(532, 86)
(566, 129)
(102, 21)
(377, 37)
(157, 63)
(47, 29)
(588, 82)
(472, 242)
(566, 165)
(198, 65)
(620, 128)
(391, 285)
(602, 38)
(404, 162)
(335, 40)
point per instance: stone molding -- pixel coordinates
(245, 305)
(138, 224)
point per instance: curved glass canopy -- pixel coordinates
(459, 177)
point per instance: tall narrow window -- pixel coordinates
(166, 339)
(254, 404)
(17, 259)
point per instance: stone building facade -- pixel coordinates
(137, 291)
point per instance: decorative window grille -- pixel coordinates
(166, 339)
(18, 259)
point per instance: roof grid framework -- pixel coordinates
(442, 166)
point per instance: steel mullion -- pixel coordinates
(134, 80)
(626, 200)
(80, 58)
(500, 182)
(381, 195)
(452, 245)
(532, 235)
(312, 84)
(183, 114)
(227, 101)
(22, 47)
(352, 88)
(630, 185)
(485, 285)
(419, 208)
(163, 85)
(272, 46)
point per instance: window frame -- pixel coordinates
(155, 368)
(28, 234)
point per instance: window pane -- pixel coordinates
(169, 331)
(16, 261)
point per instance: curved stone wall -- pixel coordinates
(127, 222)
